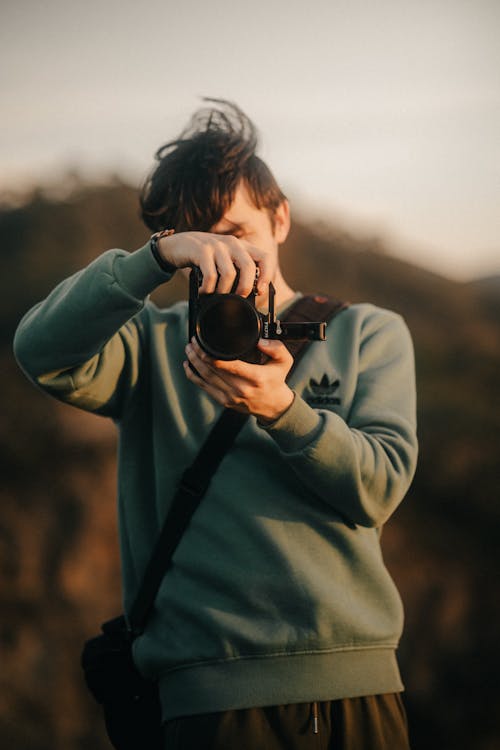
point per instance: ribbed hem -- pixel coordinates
(138, 273)
(278, 680)
(298, 426)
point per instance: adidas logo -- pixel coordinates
(322, 392)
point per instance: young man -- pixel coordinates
(277, 623)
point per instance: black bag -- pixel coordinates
(131, 703)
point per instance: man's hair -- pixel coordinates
(196, 177)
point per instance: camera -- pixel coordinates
(228, 326)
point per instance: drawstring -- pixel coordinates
(315, 717)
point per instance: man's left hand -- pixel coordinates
(260, 390)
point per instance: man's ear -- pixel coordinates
(282, 222)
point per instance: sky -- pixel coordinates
(382, 116)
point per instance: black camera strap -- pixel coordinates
(305, 310)
(196, 478)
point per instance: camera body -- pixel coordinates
(228, 326)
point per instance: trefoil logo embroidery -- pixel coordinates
(323, 392)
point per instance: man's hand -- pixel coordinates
(252, 389)
(218, 256)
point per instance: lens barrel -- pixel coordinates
(228, 326)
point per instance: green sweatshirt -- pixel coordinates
(278, 592)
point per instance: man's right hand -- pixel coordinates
(218, 256)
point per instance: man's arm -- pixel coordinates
(362, 466)
(83, 343)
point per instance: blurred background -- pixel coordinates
(381, 121)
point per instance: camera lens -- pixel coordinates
(228, 326)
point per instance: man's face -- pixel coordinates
(253, 225)
(247, 222)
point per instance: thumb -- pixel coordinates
(275, 350)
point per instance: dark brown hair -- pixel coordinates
(196, 177)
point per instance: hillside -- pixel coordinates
(59, 572)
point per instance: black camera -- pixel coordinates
(228, 326)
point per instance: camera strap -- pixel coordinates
(305, 310)
(196, 478)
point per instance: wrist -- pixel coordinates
(154, 244)
(279, 407)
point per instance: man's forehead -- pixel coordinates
(241, 210)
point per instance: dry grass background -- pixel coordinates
(59, 569)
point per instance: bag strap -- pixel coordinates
(196, 478)
(194, 483)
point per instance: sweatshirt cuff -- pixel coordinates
(138, 273)
(298, 426)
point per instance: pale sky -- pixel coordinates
(382, 115)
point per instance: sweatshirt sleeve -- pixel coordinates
(363, 465)
(82, 344)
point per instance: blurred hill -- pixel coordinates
(59, 570)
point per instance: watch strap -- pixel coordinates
(153, 244)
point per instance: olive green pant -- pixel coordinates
(375, 722)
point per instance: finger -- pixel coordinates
(225, 268)
(228, 375)
(192, 374)
(234, 369)
(209, 271)
(266, 262)
(246, 267)
(195, 359)
(202, 363)
(194, 349)
(210, 389)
